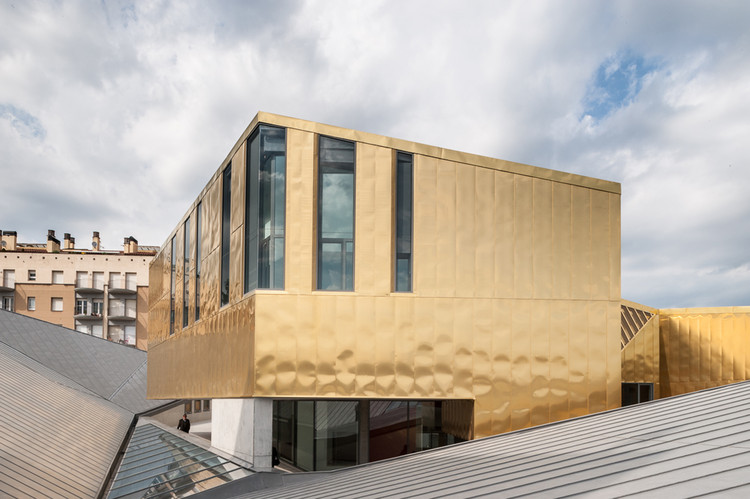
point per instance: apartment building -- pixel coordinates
(100, 292)
(346, 297)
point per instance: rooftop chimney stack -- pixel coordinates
(68, 242)
(53, 244)
(130, 245)
(96, 243)
(9, 238)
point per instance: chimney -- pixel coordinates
(9, 238)
(53, 244)
(68, 242)
(130, 245)
(96, 243)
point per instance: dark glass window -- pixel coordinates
(404, 209)
(265, 209)
(336, 214)
(198, 261)
(226, 208)
(635, 393)
(186, 273)
(173, 265)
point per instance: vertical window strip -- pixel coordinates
(173, 258)
(265, 209)
(251, 212)
(404, 222)
(198, 261)
(336, 192)
(186, 274)
(271, 207)
(226, 208)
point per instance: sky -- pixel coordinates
(114, 114)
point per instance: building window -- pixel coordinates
(196, 406)
(265, 209)
(115, 280)
(98, 281)
(116, 333)
(57, 277)
(226, 209)
(32, 275)
(97, 308)
(31, 303)
(82, 307)
(7, 303)
(206, 405)
(131, 281)
(198, 261)
(9, 278)
(129, 335)
(186, 274)
(336, 214)
(188, 407)
(57, 305)
(404, 209)
(172, 258)
(635, 393)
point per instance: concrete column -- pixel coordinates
(243, 428)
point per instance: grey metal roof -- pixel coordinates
(113, 371)
(694, 444)
(56, 439)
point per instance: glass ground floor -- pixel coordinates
(317, 435)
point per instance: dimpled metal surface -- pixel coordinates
(515, 304)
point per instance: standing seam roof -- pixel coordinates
(682, 446)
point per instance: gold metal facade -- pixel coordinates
(515, 303)
(640, 356)
(703, 347)
(685, 350)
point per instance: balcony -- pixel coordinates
(121, 314)
(121, 318)
(7, 285)
(87, 317)
(120, 286)
(89, 287)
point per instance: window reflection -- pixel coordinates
(336, 215)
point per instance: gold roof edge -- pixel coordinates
(434, 151)
(641, 306)
(706, 310)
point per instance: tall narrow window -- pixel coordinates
(226, 208)
(404, 208)
(265, 199)
(186, 273)
(198, 261)
(172, 258)
(335, 214)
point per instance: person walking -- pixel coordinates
(184, 424)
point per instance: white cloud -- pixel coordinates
(139, 103)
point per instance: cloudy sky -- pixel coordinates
(113, 114)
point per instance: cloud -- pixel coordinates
(115, 115)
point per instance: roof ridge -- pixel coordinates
(125, 381)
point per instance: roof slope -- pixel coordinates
(689, 445)
(113, 371)
(56, 439)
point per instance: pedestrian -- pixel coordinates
(184, 424)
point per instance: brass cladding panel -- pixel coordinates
(703, 348)
(515, 304)
(640, 357)
(524, 362)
